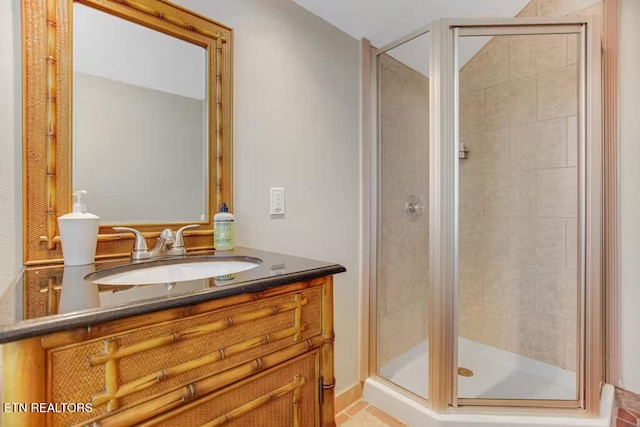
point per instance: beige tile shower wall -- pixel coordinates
(518, 191)
(403, 256)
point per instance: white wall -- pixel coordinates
(629, 92)
(296, 125)
(10, 142)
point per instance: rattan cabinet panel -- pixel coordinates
(119, 371)
(283, 396)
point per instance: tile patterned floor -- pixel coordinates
(628, 400)
(362, 414)
(627, 418)
(628, 409)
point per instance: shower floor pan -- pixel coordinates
(496, 374)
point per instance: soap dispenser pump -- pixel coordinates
(79, 233)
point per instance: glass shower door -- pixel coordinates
(402, 297)
(519, 295)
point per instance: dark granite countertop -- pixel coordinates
(56, 298)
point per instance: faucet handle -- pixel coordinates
(179, 242)
(140, 249)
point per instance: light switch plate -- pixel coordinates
(277, 201)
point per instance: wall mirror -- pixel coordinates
(139, 100)
(130, 100)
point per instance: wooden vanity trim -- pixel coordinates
(293, 387)
(157, 377)
(198, 331)
(156, 406)
(296, 398)
(30, 383)
(112, 354)
(328, 379)
(78, 335)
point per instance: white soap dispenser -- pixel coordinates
(79, 233)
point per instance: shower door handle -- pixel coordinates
(414, 205)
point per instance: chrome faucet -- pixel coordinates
(169, 243)
(164, 247)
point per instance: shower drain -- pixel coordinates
(465, 372)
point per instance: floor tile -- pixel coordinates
(363, 414)
(365, 419)
(623, 423)
(341, 419)
(356, 407)
(386, 418)
(627, 416)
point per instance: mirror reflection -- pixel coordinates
(139, 121)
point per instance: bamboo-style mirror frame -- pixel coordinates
(47, 74)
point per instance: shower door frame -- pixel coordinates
(371, 170)
(589, 372)
(444, 211)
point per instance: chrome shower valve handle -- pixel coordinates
(414, 205)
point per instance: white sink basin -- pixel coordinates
(172, 270)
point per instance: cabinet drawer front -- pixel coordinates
(284, 396)
(121, 370)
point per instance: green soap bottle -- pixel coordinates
(223, 235)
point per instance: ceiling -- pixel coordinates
(385, 21)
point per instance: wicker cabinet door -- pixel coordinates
(284, 396)
(119, 372)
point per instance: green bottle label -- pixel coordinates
(223, 237)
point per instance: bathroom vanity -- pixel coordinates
(247, 349)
